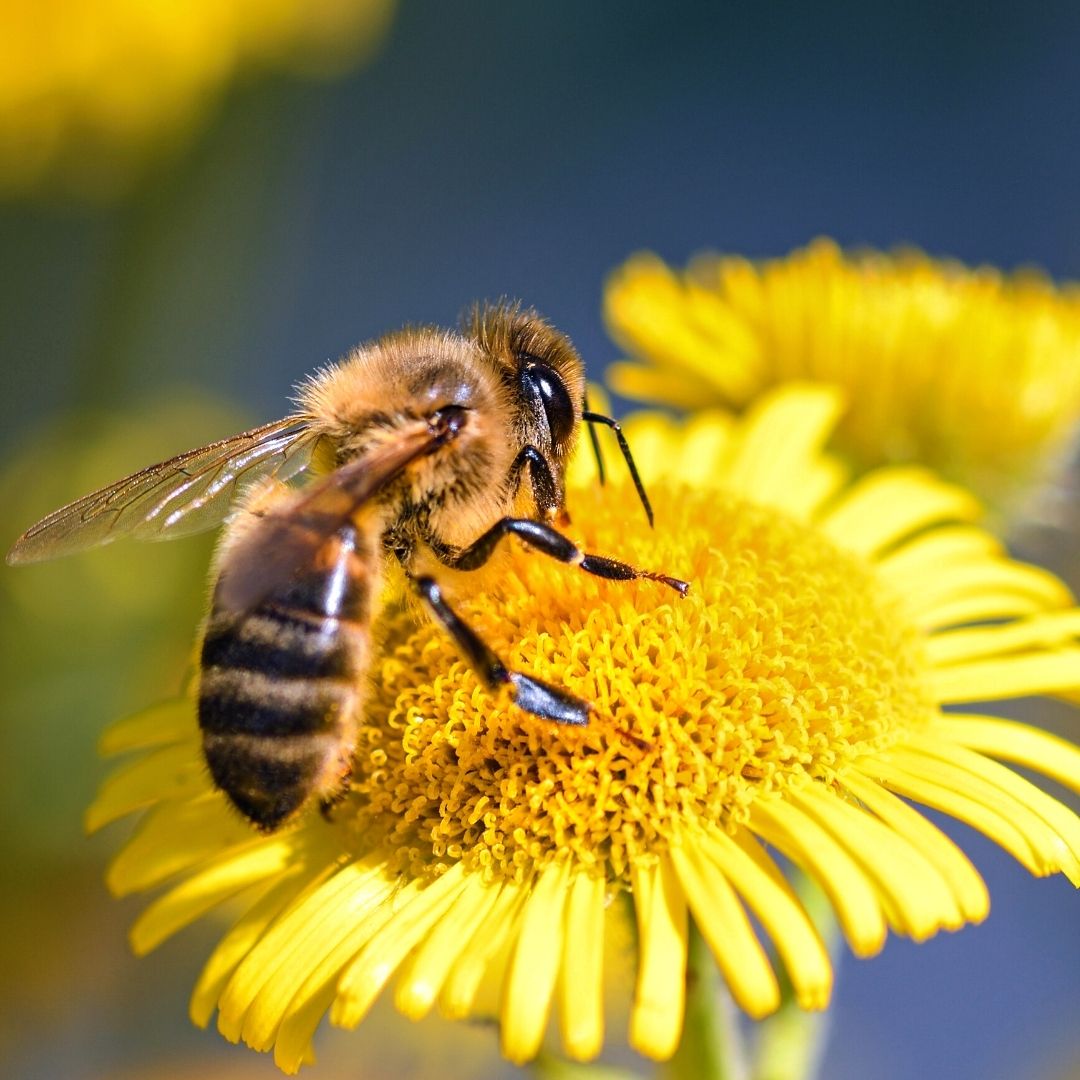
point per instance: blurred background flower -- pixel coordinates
(972, 372)
(94, 91)
(482, 149)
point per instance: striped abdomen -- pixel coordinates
(281, 685)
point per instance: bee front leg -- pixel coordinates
(532, 695)
(544, 538)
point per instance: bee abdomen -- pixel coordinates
(279, 697)
(269, 778)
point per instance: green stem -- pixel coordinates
(791, 1043)
(548, 1066)
(711, 1045)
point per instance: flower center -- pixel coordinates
(787, 659)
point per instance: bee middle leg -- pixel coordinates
(546, 539)
(532, 695)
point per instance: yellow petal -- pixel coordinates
(890, 504)
(770, 898)
(724, 926)
(318, 989)
(845, 883)
(926, 555)
(531, 979)
(991, 820)
(1038, 750)
(171, 721)
(660, 996)
(967, 886)
(1053, 671)
(460, 989)
(978, 583)
(176, 836)
(242, 938)
(425, 972)
(174, 772)
(581, 977)
(196, 895)
(366, 975)
(916, 896)
(1045, 631)
(1061, 821)
(301, 937)
(780, 432)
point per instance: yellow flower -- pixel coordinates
(793, 702)
(971, 372)
(91, 89)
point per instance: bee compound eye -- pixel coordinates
(558, 408)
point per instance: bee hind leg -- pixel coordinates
(532, 695)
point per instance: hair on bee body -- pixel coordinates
(433, 446)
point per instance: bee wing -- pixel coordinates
(183, 495)
(287, 540)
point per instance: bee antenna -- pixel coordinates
(624, 446)
(594, 440)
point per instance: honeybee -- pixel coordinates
(427, 447)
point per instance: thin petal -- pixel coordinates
(171, 721)
(780, 913)
(660, 997)
(201, 892)
(1043, 631)
(1024, 745)
(845, 883)
(1062, 822)
(580, 992)
(917, 897)
(243, 937)
(780, 432)
(926, 555)
(1048, 672)
(459, 992)
(994, 603)
(967, 886)
(890, 504)
(724, 925)
(366, 975)
(980, 582)
(176, 836)
(176, 771)
(426, 971)
(991, 820)
(318, 989)
(530, 983)
(305, 933)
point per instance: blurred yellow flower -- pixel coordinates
(90, 90)
(971, 372)
(787, 703)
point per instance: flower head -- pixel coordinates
(971, 372)
(791, 703)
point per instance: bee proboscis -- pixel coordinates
(433, 445)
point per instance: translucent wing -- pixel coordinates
(183, 495)
(287, 540)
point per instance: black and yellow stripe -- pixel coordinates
(280, 686)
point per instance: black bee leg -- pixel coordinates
(546, 492)
(542, 537)
(532, 695)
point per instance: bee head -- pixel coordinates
(541, 370)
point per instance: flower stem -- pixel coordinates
(711, 1045)
(548, 1066)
